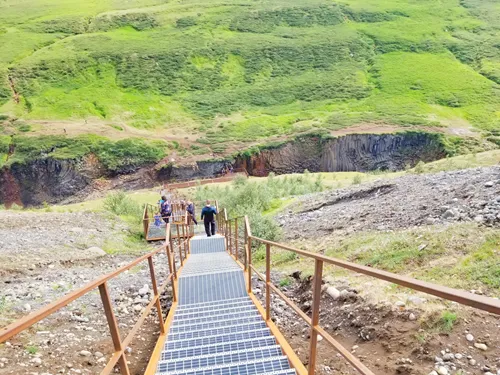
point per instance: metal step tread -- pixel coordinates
(213, 305)
(219, 359)
(216, 331)
(215, 313)
(238, 320)
(217, 339)
(249, 313)
(253, 367)
(217, 348)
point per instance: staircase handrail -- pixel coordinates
(480, 302)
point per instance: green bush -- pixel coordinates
(185, 22)
(121, 205)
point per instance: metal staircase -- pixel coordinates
(217, 329)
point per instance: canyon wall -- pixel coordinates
(356, 152)
(51, 180)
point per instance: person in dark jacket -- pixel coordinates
(166, 210)
(190, 211)
(208, 216)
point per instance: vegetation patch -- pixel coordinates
(114, 156)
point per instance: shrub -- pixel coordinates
(356, 180)
(119, 204)
(419, 168)
(185, 22)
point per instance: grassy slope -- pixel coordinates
(242, 71)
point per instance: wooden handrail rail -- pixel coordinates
(465, 298)
(477, 301)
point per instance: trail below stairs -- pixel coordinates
(217, 329)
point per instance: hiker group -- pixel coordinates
(208, 214)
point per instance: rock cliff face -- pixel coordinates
(196, 170)
(356, 152)
(50, 180)
(44, 180)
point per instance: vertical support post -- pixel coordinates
(156, 295)
(184, 244)
(268, 282)
(318, 276)
(179, 243)
(173, 271)
(172, 255)
(236, 236)
(249, 265)
(245, 245)
(113, 328)
(230, 238)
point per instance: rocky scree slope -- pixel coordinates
(411, 200)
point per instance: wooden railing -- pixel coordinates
(119, 356)
(179, 216)
(235, 238)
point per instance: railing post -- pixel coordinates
(184, 241)
(245, 245)
(156, 295)
(179, 243)
(172, 254)
(236, 236)
(318, 277)
(268, 281)
(113, 328)
(230, 238)
(172, 268)
(249, 265)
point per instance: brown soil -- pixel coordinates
(383, 337)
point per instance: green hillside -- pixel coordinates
(244, 70)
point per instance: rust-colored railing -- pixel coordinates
(181, 250)
(230, 229)
(179, 216)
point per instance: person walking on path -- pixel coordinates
(208, 216)
(190, 211)
(166, 211)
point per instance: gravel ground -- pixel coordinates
(31, 239)
(413, 200)
(44, 256)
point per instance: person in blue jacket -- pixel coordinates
(208, 214)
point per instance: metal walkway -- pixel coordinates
(217, 329)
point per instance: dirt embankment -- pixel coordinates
(388, 339)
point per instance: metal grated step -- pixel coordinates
(214, 324)
(213, 305)
(250, 313)
(204, 245)
(220, 359)
(211, 287)
(217, 339)
(212, 314)
(217, 331)
(213, 349)
(254, 367)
